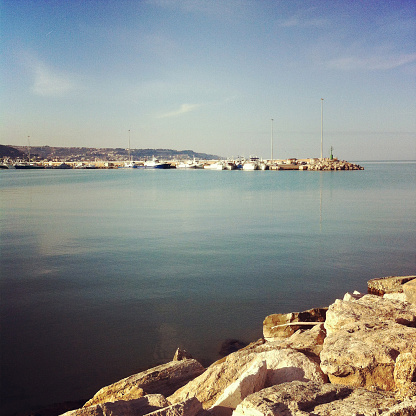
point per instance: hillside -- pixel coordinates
(88, 153)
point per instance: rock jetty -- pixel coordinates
(333, 164)
(355, 357)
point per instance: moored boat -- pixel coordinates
(156, 164)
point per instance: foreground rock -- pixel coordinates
(163, 379)
(283, 325)
(390, 284)
(135, 407)
(310, 398)
(283, 364)
(365, 336)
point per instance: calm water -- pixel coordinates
(107, 272)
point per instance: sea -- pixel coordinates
(105, 273)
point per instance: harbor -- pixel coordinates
(250, 164)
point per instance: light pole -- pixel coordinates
(322, 126)
(271, 140)
(129, 146)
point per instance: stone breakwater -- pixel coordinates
(355, 357)
(328, 164)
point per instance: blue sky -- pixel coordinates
(209, 75)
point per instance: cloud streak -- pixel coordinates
(47, 81)
(373, 63)
(183, 109)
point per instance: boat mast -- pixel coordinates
(322, 126)
(28, 141)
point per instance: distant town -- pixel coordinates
(48, 157)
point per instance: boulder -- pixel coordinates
(279, 325)
(389, 284)
(405, 374)
(189, 407)
(282, 365)
(181, 354)
(163, 379)
(249, 382)
(309, 342)
(364, 338)
(310, 398)
(409, 290)
(135, 407)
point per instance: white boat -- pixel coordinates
(215, 166)
(190, 164)
(156, 164)
(230, 165)
(251, 164)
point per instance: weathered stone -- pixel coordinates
(405, 408)
(282, 365)
(405, 374)
(187, 408)
(135, 407)
(389, 284)
(409, 290)
(310, 398)
(364, 338)
(249, 382)
(284, 325)
(163, 379)
(181, 354)
(310, 342)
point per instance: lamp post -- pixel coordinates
(129, 146)
(271, 141)
(322, 126)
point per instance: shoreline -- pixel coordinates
(395, 292)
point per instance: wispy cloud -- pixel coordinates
(303, 22)
(47, 81)
(375, 62)
(183, 109)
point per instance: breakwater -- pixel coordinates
(241, 164)
(356, 356)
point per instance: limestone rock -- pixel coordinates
(310, 342)
(163, 379)
(309, 398)
(405, 374)
(390, 284)
(135, 407)
(409, 290)
(364, 338)
(181, 354)
(249, 382)
(189, 407)
(282, 365)
(284, 325)
(405, 408)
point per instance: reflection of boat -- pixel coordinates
(251, 164)
(28, 166)
(156, 164)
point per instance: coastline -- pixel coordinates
(313, 344)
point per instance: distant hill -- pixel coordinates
(89, 153)
(11, 152)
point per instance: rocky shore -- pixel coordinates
(355, 357)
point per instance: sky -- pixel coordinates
(210, 75)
